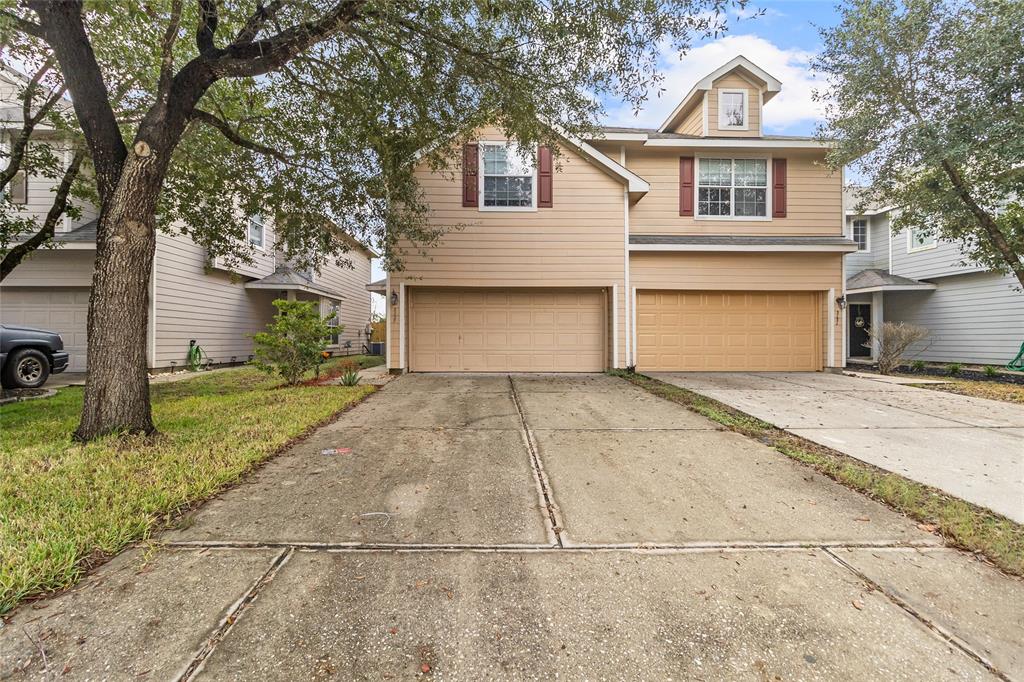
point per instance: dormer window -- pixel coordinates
(257, 232)
(732, 109)
(860, 233)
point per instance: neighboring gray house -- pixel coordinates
(975, 316)
(192, 296)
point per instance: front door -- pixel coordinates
(860, 319)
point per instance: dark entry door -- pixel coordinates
(860, 319)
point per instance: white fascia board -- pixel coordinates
(620, 137)
(837, 248)
(738, 143)
(893, 287)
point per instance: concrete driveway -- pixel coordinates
(970, 447)
(529, 527)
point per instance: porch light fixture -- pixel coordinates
(841, 302)
(394, 298)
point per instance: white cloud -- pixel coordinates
(792, 107)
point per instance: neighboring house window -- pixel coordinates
(335, 323)
(732, 109)
(257, 232)
(920, 240)
(732, 188)
(18, 187)
(860, 233)
(509, 180)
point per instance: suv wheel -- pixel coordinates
(26, 368)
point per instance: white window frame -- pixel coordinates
(924, 247)
(328, 305)
(722, 121)
(482, 176)
(732, 204)
(258, 219)
(867, 233)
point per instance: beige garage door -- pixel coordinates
(728, 331)
(62, 310)
(506, 330)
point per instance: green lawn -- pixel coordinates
(64, 507)
(961, 523)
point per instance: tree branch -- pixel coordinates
(19, 143)
(233, 136)
(64, 31)
(207, 27)
(24, 25)
(167, 50)
(60, 203)
(255, 23)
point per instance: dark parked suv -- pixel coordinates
(28, 356)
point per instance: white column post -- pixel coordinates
(877, 317)
(615, 326)
(401, 325)
(633, 325)
(832, 327)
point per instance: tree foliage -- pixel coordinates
(294, 342)
(927, 103)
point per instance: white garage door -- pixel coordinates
(507, 330)
(62, 310)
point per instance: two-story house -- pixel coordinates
(973, 315)
(704, 244)
(193, 298)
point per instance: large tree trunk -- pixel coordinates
(117, 389)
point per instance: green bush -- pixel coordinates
(989, 371)
(917, 365)
(294, 341)
(953, 368)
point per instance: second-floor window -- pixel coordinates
(920, 240)
(18, 187)
(335, 322)
(732, 188)
(509, 180)
(860, 233)
(257, 232)
(732, 109)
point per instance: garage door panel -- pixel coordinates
(728, 330)
(507, 330)
(63, 310)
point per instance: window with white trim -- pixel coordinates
(860, 233)
(333, 307)
(508, 177)
(257, 232)
(732, 109)
(732, 188)
(919, 239)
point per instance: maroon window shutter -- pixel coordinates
(470, 168)
(544, 177)
(778, 188)
(685, 185)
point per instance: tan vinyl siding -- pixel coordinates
(733, 81)
(814, 196)
(54, 268)
(746, 272)
(211, 306)
(351, 283)
(578, 243)
(693, 124)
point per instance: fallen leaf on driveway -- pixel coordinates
(862, 518)
(859, 605)
(927, 527)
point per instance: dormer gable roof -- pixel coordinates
(769, 84)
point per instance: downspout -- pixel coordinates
(627, 308)
(152, 304)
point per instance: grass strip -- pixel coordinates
(65, 507)
(960, 523)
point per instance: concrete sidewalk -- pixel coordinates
(527, 527)
(970, 447)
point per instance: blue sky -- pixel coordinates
(781, 40)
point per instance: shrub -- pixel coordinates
(953, 368)
(893, 339)
(293, 342)
(917, 365)
(989, 371)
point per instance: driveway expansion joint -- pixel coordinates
(936, 629)
(538, 467)
(235, 613)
